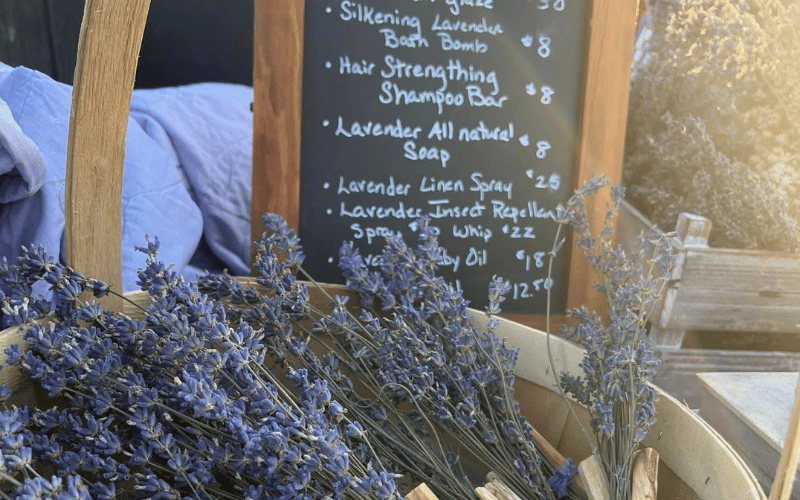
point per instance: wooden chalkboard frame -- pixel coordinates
(277, 83)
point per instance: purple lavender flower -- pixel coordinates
(618, 361)
(559, 481)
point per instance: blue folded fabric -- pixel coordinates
(155, 199)
(22, 168)
(208, 129)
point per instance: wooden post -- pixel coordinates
(693, 230)
(108, 51)
(787, 466)
(277, 93)
(603, 121)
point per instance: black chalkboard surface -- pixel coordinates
(463, 110)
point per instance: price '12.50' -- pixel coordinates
(526, 290)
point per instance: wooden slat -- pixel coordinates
(591, 471)
(539, 321)
(484, 494)
(111, 35)
(277, 93)
(726, 309)
(421, 492)
(644, 476)
(679, 367)
(752, 271)
(499, 489)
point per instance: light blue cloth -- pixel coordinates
(208, 130)
(5, 69)
(22, 168)
(187, 171)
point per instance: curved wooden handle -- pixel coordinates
(108, 52)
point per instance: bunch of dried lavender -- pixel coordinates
(262, 395)
(714, 119)
(432, 386)
(618, 363)
(180, 405)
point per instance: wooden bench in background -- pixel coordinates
(747, 294)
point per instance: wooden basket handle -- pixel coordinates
(108, 52)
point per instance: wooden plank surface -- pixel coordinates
(723, 289)
(768, 273)
(752, 412)
(108, 51)
(277, 94)
(723, 309)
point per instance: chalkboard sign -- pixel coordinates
(472, 112)
(464, 111)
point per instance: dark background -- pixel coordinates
(185, 41)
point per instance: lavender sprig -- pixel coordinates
(618, 364)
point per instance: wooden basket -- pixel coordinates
(696, 463)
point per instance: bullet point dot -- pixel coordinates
(329, 211)
(330, 260)
(328, 64)
(325, 123)
(328, 10)
(326, 185)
